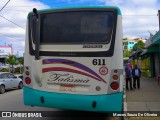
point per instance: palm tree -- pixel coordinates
(11, 60)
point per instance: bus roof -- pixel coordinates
(79, 7)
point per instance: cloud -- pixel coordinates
(16, 11)
(139, 16)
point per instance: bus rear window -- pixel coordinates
(76, 27)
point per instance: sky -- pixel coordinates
(139, 17)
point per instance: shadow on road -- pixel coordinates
(10, 90)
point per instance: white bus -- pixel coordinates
(74, 59)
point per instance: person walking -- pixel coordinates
(130, 65)
(128, 76)
(136, 73)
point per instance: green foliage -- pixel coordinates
(5, 70)
(21, 60)
(125, 38)
(138, 45)
(11, 59)
(127, 53)
(18, 70)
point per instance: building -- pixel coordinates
(129, 43)
(153, 51)
(4, 52)
(142, 58)
(149, 59)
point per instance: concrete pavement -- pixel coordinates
(145, 100)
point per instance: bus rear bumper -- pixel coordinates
(99, 103)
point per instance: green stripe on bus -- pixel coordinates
(79, 7)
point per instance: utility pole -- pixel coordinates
(159, 44)
(159, 18)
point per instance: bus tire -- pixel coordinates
(20, 86)
(2, 89)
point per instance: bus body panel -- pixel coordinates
(84, 79)
(104, 103)
(81, 97)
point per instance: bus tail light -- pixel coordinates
(27, 68)
(115, 77)
(27, 73)
(27, 80)
(114, 85)
(115, 71)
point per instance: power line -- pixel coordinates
(11, 22)
(11, 39)
(7, 36)
(140, 15)
(40, 5)
(4, 5)
(6, 18)
(122, 15)
(18, 10)
(48, 4)
(30, 5)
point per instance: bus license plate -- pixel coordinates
(71, 88)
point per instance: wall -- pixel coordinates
(5, 51)
(156, 64)
(146, 67)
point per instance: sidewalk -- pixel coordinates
(146, 99)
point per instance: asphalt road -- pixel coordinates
(12, 100)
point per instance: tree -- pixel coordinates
(138, 45)
(125, 38)
(11, 60)
(127, 53)
(20, 60)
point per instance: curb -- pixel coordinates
(124, 102)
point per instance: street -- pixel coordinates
(12, 100)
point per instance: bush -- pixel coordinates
(17, 70)
(5, 70)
